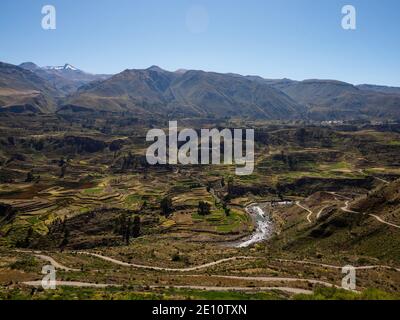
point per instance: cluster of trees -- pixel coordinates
(128, 162)
(289, 160)
(116, 145)
(30, 177)
(26, 242)
(204, 208)
(166, 206)
(316, 136)
(127, 227)
(65, 229)
(131, 161)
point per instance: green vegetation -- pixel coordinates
(203, 208)
(26, 264)
(93, 191)
(127, 293)
(110, 201)
(340, 294)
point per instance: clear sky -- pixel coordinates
(298, 39)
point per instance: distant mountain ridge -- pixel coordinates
(22, 90)
(66, 78)
(332, 99)
(383, 89)
(186, 94)
(159, 93)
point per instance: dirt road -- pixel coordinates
(203, 266)
(310, 213)
(379, 219)
(304, 262)
(205, 288)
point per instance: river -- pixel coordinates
(264, 226)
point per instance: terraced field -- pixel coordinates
(115, 227)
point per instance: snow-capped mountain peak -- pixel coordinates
(67, 66)
(70, 67)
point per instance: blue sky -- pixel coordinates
(298, 39)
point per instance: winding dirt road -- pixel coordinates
(320, 211)
(54, 263)
(79, 284)
(383, 221)
(271, 279)
(264, 279)
(243, 289)
(345, 208)
(58, 265)
(205, 288)
(304, 262)
(375, 177)
(203, 266)
(310, 213)
(379, 219)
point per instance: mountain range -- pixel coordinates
(66, 79)
(155, 92)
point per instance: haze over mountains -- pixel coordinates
(331, 99)
(66, 79)
(187, 94)
(22, 90)
(190, 93)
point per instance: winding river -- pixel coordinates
(264, 226)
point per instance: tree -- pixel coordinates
(143, 206)
(291, 162)
(227, 211)
(280, 189)
(166, 206)
(26, 242)
(136, 227)
(301, 136)
(30, 177)
(231, 188)
(128, 228)
(65, 240)
(63, 165)
(128, 162)
(116, 145)
(204, 208)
